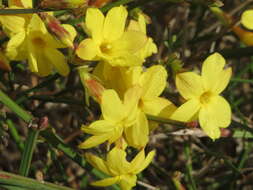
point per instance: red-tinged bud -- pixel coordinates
(98, 3)
(4, 63)
(245, 36)
(63, 4)
(94, 87)
(225, 132)
(192, 124)
(55, 27)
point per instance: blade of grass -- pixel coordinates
(15, 107)
(15, 135)
(28, 152)
(8, 179)
(187, 151)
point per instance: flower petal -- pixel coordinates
(131, 41)
(12, 24)
(13, 49)
(137, 135)
(97, 163)
(99, 127)
(58, 60)
(131, 100)
(106, 181)
(145, 163)
(214, 77)
(189, 85)
(127, 182)
(247, 19)
(153, 82)
(114, 24)
(94, 23)
(186, 111)
(94, 141)
(112, 107)
(116, 161)
(214, 115)
(87, 49)
(156, 106)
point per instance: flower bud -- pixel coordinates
(55, 27)
(63, 4)
(4, 62)
(95, 88)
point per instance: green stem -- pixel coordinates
(26, 11)
(15, 135)
(166, 121)
(191, 180)
(15, 107)
(28, 151)
(8, 179)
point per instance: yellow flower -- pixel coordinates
(202, 96)
(117, 116)
(109, 41)
(247, 19)
(35, 43)
(152, 82)
(121, 171)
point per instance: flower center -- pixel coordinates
(39, 42)
(205, 98)
(105, 48)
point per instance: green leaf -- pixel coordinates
(15, 182)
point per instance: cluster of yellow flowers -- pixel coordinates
(126, 90)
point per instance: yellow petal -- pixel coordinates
(189, 85)
(186, 111)
(114, 24)
(224, 78)
(137, 135)
(153, 82)
(148, 49)
(58, 60)
(137, 161)
(97, 163)
(71, 31)
(99, 127)
(43, 64)
(12, 24)
(32, 60)
(125, 59)
(214, 115)
(87, 49)
(218, 112)
(116, 161)
(36, 24)
(27, 3)
(247, 19)
(145, 162)
(130, 41)
(94, 23)
(13, 49)
(127, 182)
(111, 106)
(106, 182)
(115, 134)
(131, 100)
(94, 141)
(156, 106)
(214, 78)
